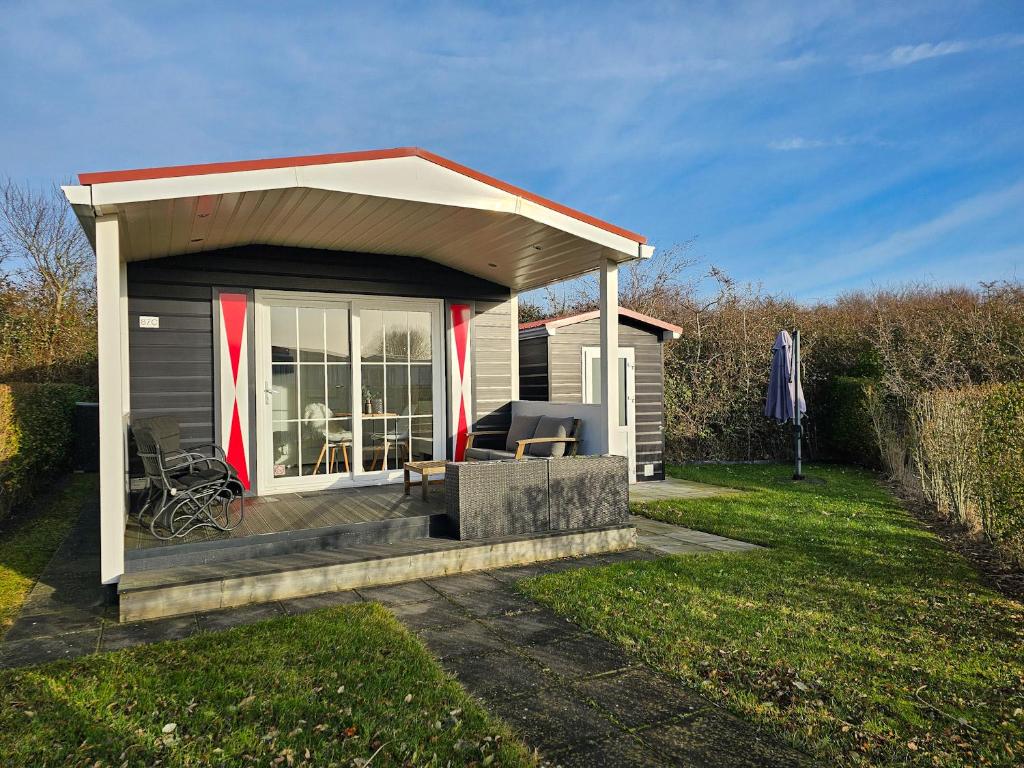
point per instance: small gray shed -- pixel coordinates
(558, 362)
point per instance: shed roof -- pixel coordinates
(551, 324)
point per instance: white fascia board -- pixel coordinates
(78, 195)
(574, 226)
(646, 251)
(407, 178)
(145, 190)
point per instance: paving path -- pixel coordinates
(673, 488)
(576, 698)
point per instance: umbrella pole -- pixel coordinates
(797, 428)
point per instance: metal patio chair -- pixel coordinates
(186, 489)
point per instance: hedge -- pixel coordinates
(36, 435)
(845, 432)
(1002, 467)
(967, 447)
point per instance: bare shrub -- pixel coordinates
(47, 301)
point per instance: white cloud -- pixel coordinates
(795, 143)
(902, 243)
(905, 55)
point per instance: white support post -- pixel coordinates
(610, 442)
(112, 330)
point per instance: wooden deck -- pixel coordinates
(304, 511)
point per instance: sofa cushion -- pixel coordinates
(549, 426)
(522, 428)
(497, 455)
(477, 454)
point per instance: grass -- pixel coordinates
(29, 539)
(336, 687)
(855, 635)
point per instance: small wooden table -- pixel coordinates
(424, 469)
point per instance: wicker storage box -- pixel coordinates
(486, 499)
(588, 491)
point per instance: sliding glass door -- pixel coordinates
(397, 392)
(350, 389)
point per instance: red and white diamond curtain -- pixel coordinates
(233, 375)
(459, 316)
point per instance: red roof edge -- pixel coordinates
(558, 322)
(204, 169)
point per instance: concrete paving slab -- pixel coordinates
(637, 697)
(214, 621)
(429, 614)
(580, 656)
(118, 636)
(714, 738)
(461, 640)
(396, 594)
(465, 582)
(499, 675)
(40, 650)
(299, 605)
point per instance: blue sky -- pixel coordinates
(813, 147)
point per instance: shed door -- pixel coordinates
(627, 394)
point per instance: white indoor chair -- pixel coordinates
(317, 416)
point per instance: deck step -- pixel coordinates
(189, 588)
(286, 543)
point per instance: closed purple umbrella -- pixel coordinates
(785, 400)
(782, 382)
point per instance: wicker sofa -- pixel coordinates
(488, 499)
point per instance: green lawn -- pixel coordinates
(855, 635)
(29, 539)
(330, 688)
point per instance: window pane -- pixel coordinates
(337, 336)
(339, 452)
(314, 437)
(286, 450)
(339, 388)
(396, 400)
(311, 392)
(422, 389)
(396, 334)
(595, 380)
(373, 388)
(422, 434)
(311, 334)
(419, 336)
(397, 437)
(282, 334)
(371, 335)
(373, 444)
(285, 398)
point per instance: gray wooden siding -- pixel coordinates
(171, 368)
(565, 372)
(491, 360)
(533, 368)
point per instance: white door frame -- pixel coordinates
(625, 353)
(265, 482)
